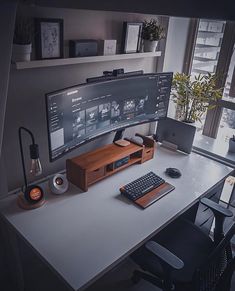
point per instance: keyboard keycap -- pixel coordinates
(141, 186)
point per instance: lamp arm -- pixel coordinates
(28, 131)
(22, 152)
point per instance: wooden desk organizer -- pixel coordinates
(96, 165)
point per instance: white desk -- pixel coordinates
(82, 235)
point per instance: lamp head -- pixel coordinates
(36, 168)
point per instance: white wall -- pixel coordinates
(176, 44)
(178, 30)
(27, 88)
(7, 18)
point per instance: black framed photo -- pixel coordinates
(131, 37)
(48, 38)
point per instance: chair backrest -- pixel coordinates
(218, 267)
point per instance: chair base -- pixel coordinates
(138, 275)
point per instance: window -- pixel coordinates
(227, 125)
(207, 47)
(229, 89)
(214, 52)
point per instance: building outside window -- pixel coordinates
(227, 122)
(207, 47)
(214, 52)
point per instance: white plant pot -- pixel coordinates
(21, 52)
(231, 148)
(150, 45)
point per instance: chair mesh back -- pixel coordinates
(207, 276)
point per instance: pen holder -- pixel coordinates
(231, 147)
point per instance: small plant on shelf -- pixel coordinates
(23, 31)
(22, 41)
(194, 96)
(152, 32)
(232, 144)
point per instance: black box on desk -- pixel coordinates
(83, 48)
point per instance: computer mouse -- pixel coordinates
(173, 172)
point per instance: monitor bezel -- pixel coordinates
(102, 134)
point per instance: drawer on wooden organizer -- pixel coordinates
(95, 175)
(147, 154)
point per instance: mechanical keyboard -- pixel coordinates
(141, 190)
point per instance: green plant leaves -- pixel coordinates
(194, 97)
(23, 30)
(152, 30)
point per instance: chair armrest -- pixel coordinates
(220, 214)
(164, 255)
(216, 208)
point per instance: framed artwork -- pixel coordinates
(48, 38)
(131, 37)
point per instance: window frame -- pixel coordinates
(213, 116)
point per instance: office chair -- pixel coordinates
(183, 258)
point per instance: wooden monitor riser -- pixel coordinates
(96, 165)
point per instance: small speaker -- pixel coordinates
(58, 184)
(83, 48)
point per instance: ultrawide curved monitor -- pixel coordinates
(80, 113)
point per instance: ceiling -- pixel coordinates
(214, 9)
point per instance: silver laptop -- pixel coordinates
(175, 134)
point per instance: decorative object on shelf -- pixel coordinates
(231, 147)
(58, 184)
(22, 41)
(83, 48)
(194, 95)
(152, 32)
(107, 47)
(48, 38)
(33, 196)
(131, 37)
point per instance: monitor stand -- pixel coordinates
(169, 145)
(118, 139)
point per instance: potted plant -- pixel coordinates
(193, 96)
(22, 42)
(152, 32)
(232, 144)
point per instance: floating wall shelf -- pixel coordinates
(83, 60)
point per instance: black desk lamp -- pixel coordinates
(32, 194)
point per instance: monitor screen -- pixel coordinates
(80, 113)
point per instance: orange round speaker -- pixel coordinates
(33, 194)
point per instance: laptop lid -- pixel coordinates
(176, 132)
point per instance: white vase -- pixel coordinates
(231, 148)
(150, 45)
(21, 52)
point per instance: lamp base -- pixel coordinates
(24, 204)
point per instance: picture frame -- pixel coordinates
(49, 38)
(131, 37)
